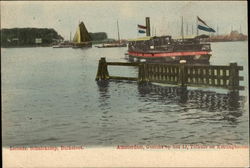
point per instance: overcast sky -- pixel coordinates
(64, 16)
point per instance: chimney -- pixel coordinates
(148, 26)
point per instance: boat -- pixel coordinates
(114, 44)
(117, 43)
(82, 38)
(166, 49)
(65, 44)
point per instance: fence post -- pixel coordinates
(233, 77)
(182, 76)
(102, 72)
(142, 75)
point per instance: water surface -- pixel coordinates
(50, 97)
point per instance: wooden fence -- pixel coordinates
(226, 77)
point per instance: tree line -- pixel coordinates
(37, 37)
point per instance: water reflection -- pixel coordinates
(230, 105)
(209, 105)
(103, 90)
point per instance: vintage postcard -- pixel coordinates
(124, 84)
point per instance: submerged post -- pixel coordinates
(102, 72)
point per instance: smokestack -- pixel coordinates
(148, 26)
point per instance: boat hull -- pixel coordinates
(170, 57)
(112, 45)
(82, 45)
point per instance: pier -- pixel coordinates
(183, 75)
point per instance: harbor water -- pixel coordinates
(50, 97)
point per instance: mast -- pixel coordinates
(197, 30)
(152, 31)
(192, 29)
(186, 29)
(118, 32)
(217, 30)
(182, 33)
(70, 37)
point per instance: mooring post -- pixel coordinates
(182, 75)
(98, 75)
(102, 72)
(105, 69)
(142, 73)
(234, 79)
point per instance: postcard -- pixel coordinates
(124, 84)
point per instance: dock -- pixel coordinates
(183, 75)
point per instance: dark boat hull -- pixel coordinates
(82, 45)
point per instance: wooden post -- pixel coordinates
(233, 77)
(182, 76)
(141, 74)
(102, 72)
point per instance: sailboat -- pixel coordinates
(82, 37)
(118, 43)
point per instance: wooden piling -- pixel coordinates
(102, 72)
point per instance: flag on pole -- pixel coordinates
(141, 31)
(203, 26)
(141, 28)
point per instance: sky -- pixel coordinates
(102, 16)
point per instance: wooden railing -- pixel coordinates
(226, 77)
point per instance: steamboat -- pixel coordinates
(166, 49)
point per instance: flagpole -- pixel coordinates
(182, 33)
(197, 30)
(137, 32)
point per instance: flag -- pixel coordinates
(203, 26)
(141, 31)
(141, 27)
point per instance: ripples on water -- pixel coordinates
(53, 99)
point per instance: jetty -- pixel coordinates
(183, 75)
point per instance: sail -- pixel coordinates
(82, 34)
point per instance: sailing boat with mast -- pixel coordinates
(118, 43)
(82, 37)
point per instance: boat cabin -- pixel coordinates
(166, 43)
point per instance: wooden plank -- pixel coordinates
(123, 78)
(122, 64)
